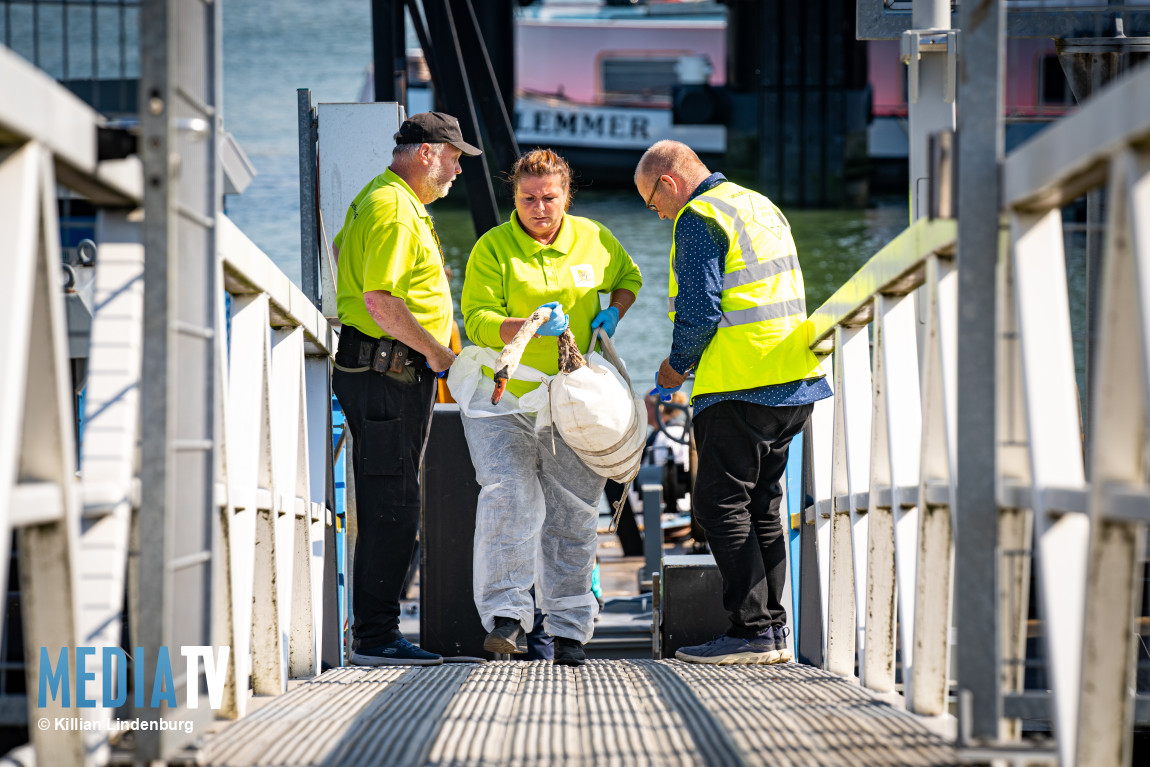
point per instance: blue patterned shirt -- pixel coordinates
(701, 248)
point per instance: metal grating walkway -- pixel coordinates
(630, 712)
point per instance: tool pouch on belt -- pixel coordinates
(362, 352)
(399, 354)
(382, 358)
(389, 355)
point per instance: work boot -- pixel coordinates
(569, 652)
(505, 636)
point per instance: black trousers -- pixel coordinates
(742, 456)
(389, 415)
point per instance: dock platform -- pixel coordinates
(609, 712)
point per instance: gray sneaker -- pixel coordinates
(724, 650)
(773, 641)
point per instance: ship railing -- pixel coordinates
(81, 558)
(1072, 501)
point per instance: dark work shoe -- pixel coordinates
(773, 641)
(398, 653)
(505, 636)
(725, 650)
(569, 652)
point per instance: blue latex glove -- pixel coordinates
(664, 393)
(440, 374)
(558, 322)
(608, 319)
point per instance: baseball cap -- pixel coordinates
(434, 128)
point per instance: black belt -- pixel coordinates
(359, 352)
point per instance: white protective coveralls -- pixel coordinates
(535, 524)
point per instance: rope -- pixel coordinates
(551, 408)
(619, 507)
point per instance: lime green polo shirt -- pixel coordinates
(509, 274)
(388, 243)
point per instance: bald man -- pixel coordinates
(739, 311)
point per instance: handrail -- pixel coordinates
(268, 495)
(1067, 159)
(34, 106)
(884, 468)
(247, 269)
(894, 270)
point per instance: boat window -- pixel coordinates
(1052, 85)
(636, 80)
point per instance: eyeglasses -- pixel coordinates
(655, 188)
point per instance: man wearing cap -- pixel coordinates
(394, 303)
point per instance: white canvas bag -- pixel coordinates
(599, 415)
(595, 408)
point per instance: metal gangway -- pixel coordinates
(951, 465)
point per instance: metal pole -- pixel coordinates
(498, 130)
(444, 46)
(308, 230)
(980, 154)
(929, 110)
(496, 22)
(809, 641)
(650, 482)
(389, 56)
(180, 75)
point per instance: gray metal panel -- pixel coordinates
(980, 152)
(691, 602)
(808, 639)
(355, 142)
(449, 624)
(649, 483)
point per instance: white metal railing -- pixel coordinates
(72, 534)
(273, 435)
(274, 476)
(1088, 511)
(884, 448)
(880, 445)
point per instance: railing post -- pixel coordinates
(317, 371)
(308, 228)
(650, 481)
(1119, 407)
(850, 482)
(37, 453)
(980, 152)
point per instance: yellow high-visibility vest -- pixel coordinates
(763, 337)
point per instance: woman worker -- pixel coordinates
(538, 511)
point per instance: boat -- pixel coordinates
(599, 82)
(596, 81)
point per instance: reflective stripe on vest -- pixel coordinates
(760, 271)
(772, 311)
(763, 335)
